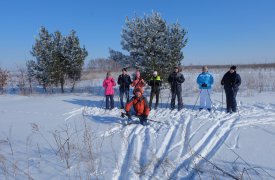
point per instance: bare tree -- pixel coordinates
(22, 79)
(3, 79)
(30, 73)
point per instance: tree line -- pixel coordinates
(151, 44)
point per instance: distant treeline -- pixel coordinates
(264, 65)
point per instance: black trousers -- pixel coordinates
(173, 100)
(121, 94)
(231, 103)
(153, 93)
(110, 101)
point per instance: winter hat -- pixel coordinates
(233, 68)
(205, 68)
(176, 67)
(155, 73)
(108, 74)
(137, 74)
(138, 90)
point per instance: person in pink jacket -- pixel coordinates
(109, 84)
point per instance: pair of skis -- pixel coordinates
(123, 115)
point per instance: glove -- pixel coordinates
(144, 116)
(122, 115)
(204, 85)
(142, 81)
(125, 114)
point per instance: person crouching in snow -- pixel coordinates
(109, 84)
(205, 81)
(140, 105)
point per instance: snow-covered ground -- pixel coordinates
(73, 137)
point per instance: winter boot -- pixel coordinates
(144, 122)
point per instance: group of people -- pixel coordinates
(124, 81)
(231, 82)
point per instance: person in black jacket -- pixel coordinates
(155, 83)
(124, 82)
(176, 79)
(231, 82)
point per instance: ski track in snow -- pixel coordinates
(144, 150)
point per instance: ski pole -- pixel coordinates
(102, 100)
(155, 121)
(235, 100)
(160, 98)
(210, 99)
(168, 99)
(222, 99)
(118, 101)
(196, 100)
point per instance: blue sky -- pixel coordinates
(219, 31)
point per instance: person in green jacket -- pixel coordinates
(155, 83)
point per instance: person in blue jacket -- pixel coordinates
(205, 81)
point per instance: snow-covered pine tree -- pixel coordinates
(120, 58)
(177, 42)
(58, 58)
(42, 50)
(75, 56)
(153, 45)
(59, 62)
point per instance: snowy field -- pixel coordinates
(72, 136)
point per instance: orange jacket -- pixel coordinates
(138, 83)
(140, 105)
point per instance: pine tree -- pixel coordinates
(75, 56)
(58, 58)
(153, 45)
(42, 51)
(121, 59)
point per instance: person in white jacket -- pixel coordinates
(205, 81)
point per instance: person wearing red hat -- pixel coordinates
(140, 105)
(138, 83)
(231, 82)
